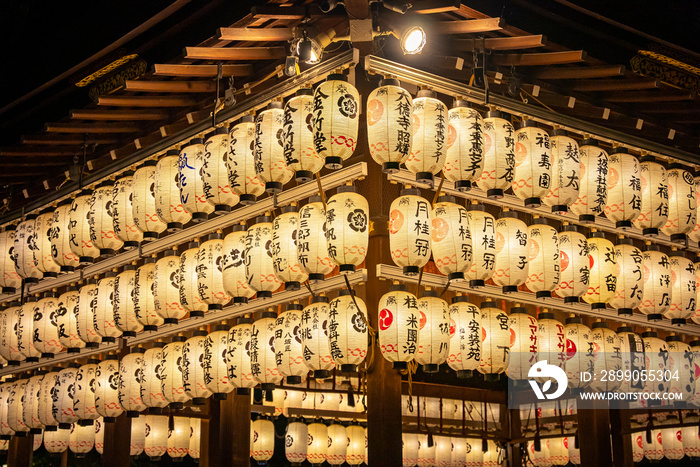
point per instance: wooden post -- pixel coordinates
(594, 435)
(21, 451)
(117, 447)
(235, 429)
(620, 427)
(515, 432)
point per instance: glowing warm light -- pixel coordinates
(413, 40)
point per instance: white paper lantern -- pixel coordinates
(285, 230)
(193, 380)
(398, 326)
(492, 457)
(680, 362)
(347, 331)
(389, 124)
(125, 317)
(654, 207)
(632, 352)
(336, 110)
(409, 231)
(151, 387)
(259, 266)
(495, 344)
(682, 206)
(5, 430)
(87, 303)
(411, 446)
(215, 363)
(210, 280)
(429, 143)
(551, 340)
(84, 394)
(317, 450)
(289, 352)
(656, 299)
(464, 162)
(144, 299)
(82, 439)
(64, 396)
(101, 219)
(298, 139)
(268, 148)
(499, 155)
(190, 298)
(214, 173)
(629, 287)
(510, 268)
(544, 265)
(433, 332)
(171, 373)
(99, 435)
(532, 178)
(465, 347)
(57, 441)
(357, 436)
(691, 440)
(23, 251)
(193, 196)
(426, 452)
(656, 356)
(347, 228)
(104, 318)
(603, 269)
(683, 289)
(9, 279)
(606, 357)
(241, 163)
(624, 201)
(240, 373)
(179, 438)
(9, 340)
(694, 235)
(312, 250)
(25, 330)
(541, 457)
(156, 443)
(195, 438)
(574, 264)
(451, 240)
(566, 172)
(137, 441)
(295, 442)
(482, 226)
(672, 442)
(315, 343)
(144, 202)
(234, 274)
(79, 229)
(637, 446)
(46, 392)
(107, 389)
(130, 378)
(30, 405)
(123, 211)
(166, 288)
(262, 352)
(15, 407)
(45, 337)
(43, 254)
(579, 351)
(696, 316)
(262, 437)
(337, 444)
(67, 320)
(167, 192)
(593, 190)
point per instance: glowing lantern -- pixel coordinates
(637, 445)
(107, 389)
(179, 438)
(15, 407)
(409, 231)
(632, 352)
(82, 439)
(195, 438)
(30, 405)
(566, 172)
(193, 196)
(389, 124)
(43, 254)
(312, 251)
(259, 266)
(624, 201)
(682, 206)
(151, 385)
(492, 455)
(60, 239)
(99, 436)
(289, 353)
(101, 219)
(262, 352)
(603, 270)
(214, 172)
(523, 343)
(693, 235)
(459, 452)
(144, 202)
(167, 192)
(593, 189)
(511, 255)
(541, 457)
(125, 317)
(347, 228)
(5, 431)
(234, 275)
(551, 340)
(464, 163)
(574, 264)
(79, 229)
(23, 251)
(46, 391)
(433, 332)
(411, 446)
(316, 348)
(87, 304)
(656, 356)
(84, 392)
(67, 320)
(262, 437)
(464, 352)
(123, 211)
(347, 331)
(156, 443)
(355, 454)
(137, 441)
(630, 277)
(696, 315)
(672, 442)
(9, 279)
(25, 330)
(579, 351)
(695, 348)
(268, 149)
(241, 162)
(210, 280)
(544, 264)
(188, 283)
(398, 326)
(284, 249)
(57, 441)
(451, 240)
(335, 120)
(499, 155)
(426, 452)
(657, 283)
(691, 441)
(45, 337)
(144, 299)
(298, 138)
(295, 441)
(337, 444)
(495, 335)
(654, 207)
(428, 148)
(240, 373)
(104, 309)
(9, 339)
(64, 396)
(215, 362)
(680, 362)
(193, 379)
(166, 288)
(483, 230)
(683, 288)
(606, 357)
(130, 376)
(317, 450)
(171, 373)
(532, 178)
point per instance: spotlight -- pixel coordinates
(397, 6)
(412, 40)
(311, 44)
(291, 66)
(329, 5)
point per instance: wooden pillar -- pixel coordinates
(594, 435)
(226, 439)
(21, 451)
(620, 427)
(514, 432)
(117, 448)
(209, 452)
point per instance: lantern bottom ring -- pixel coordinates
(108, 339)
(273, 187)
(430, 368)
(532, 202)
(494, 193)
(63, 269)
(570, 299)
(240, 300)
(560, 209)
(624, 312)
(13, 362)
(399, 365)
(655, 317)
(242, 391)
(106, 252)
(199, 400)
(464, 374)
(155, 410)
(31, 280)
(543, 294)
(196, 314)
(86, 422)
(346, 268)
(5, 437)
(170, 320)
(222, 208)
(425, 177)
(51, 428)
(455, 276)
(128, 333)
(130, 244)
(321, 374)
(84, 260)
(264, 294)
(411, 270)
(678, 238)
(623, 224)
(651, 231)
(491, 377)
(150, 327)
(219, 396)
(47, 355)
(64, 426)
(215, 306)
(295, 379)
(32, 359)
(474, 283)
(92, 345)
(597, 306)
(292, 285)
(174, 226)
(154, 458)
(586, 218)
(246, 199)
(463, 185)
(150, 236)
(10, 289)
(22, 434)
(176, 406)
(510, 288)
(333, 163)
(50, 274)
(679, 321)
(267, 386)
(132, 413)
(348, 368)
(35, 431)
(199, 217)
(390, 167)
(303, 176)
(316, 277)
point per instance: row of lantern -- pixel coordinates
(671, 443)
(560, 450)
(335, 401)
(433, 409)
(315, 442)
(445, 451)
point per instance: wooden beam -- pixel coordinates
(278, 12)
(500, 43)
(170, 86)
(615, 85)
(429, 7)
(118, 115)
(39, 152)
(90, 128)
(594, 435)
(146, 101)
(649, 96)
(671, 108)
(235, 53)
(201, 71)
(69, 139)
(30, 162)
(468, 26)
(20, 451)
(580, 72)
(198, 116)
(256, 34)
(539, 59)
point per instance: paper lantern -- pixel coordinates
(656, 356)
(459, 452)
(656, 298)
(579, 351)
(495, 340)
(125, 317)
(654, 206)
(426, 452)
(295, 441)
(680, 362)
(101, 219)
(193, 380)
(511, 255)
(630, 277)
(156, 443)
(240, 373)
(166, 288)
(193, 196)
(337, 444)
(57, 441)
(695, 348)
(64, 396)
(241, 163)
(409, 231)
(214, 172)
(46, 392)
(5, 431)
(389, 124)
(144, 202)
(672, 442)
(551, 340)
(312, 251)
(99, 435)
(336, 109)
(144, 299)
(289, 352)
(263, 363)
(284, 248)
(606, 357)
(492, 456)
(398, 326)
(123, 211)
(355, 454)
(451, 240)
(603, 269)
(130, 377)
(166, 193)
(465, 347)
(15, 407)
(9, 339)
(82, 439)
(637, 446)
(347, 228)
(259, 266)
(79, 229)
(25, 330)
(532, 178)
(297, 136)
(544, 264)
(347, 331)
(262, 437)
(574, 264)
(137, 441)
(411, 446)
(190, 298)
(9, 279)
(30, 405)
(694, 235)
(151, 387)
(428, 148)
(87, 303)
(566, 172)
(268, 148)
(624, 202)
(696, 315)
(23, 251)
(107, 389)
(179, 438)
(632, 352)
(499, 155)
(209, 270)
(45, 338)
(234, 274)
(195, 438)
(683, 288)
(523, 343)
(67, 320)
(691, 440)
(593, 189)
(84, 394)
(172, 375)
(317, 450)
(104, 318)
(541, 457)
(433, 332)
(215, 363)
(60, 238)
(43, 254)
(316, 348)
(464, 162)
(482, 226)
(682, 206)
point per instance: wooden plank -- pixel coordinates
(671, 108)
(146, 101)
(173, 128)
(256, 34)
(90, 128)
(468, 26)
(20, 452)
(540, 59)
(201, 71)
(147, 140)
(620, 427)
(39, 152)
(615, 85)
(118, 115)
(29, 162)
(52, 139)
(594, 435)
(429, 7)
(198, 116)
(279, 12)
(500, 43)
(235, 53)
(170, 86)
(650, 96)
(580, 72)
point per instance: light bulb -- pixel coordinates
(413, 40)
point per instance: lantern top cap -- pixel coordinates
(624, 241)
(546, 315)
(647, 158)
(677, 253)
(199, 333)
(347, 189)
(193, 244)
(398, 288)
(110, 274)
(315, 199)
(129, 267)
(93, 361)
(194, 141)
(65, 202)
(221, 327)
(31, 298)
(267, 314)
(676, 165)
(600, 324)
(178, 339)
(528, 124)
(86, 192)
(71, 365)
(539, 221)
(244, 320)
(105, 183)
(647, 334)
(336, 77)
(320, 299)
(674, 338)
(289, 208)
(652, 246)
(619, 150)
(430, 293)
(214, 236)
(460, 103)
(573, 320)
(494, 114)
(304, 92)
(111, 356)
(216, 132)
(390, 82)
(138, 350)
(695, 343)
(149, 163)
(239, 228)
(568, 228)
(625, 328)
(559, 132)
(343, 292)
(509, 215)
(167, 253)
(489, 304)
(275, 105)
(426, 93)
(460, 299)
(597, 234)
(476, 207)
(589, 142)
(410, 191)
(263, 219)
(172, 152)
(159, 344)
(293, 307)
(246, 119)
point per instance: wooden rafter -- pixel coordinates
(649, 96)
(117, 115)
(170, 86)
(256, 34)
(595, 85)
(278, 12)
(90, 128)
(53, 139)
(40, 162)
(146, 101)
(580, 72)
(500, 43)
(235, 53)
(39, 152)
(668, 108)
(468, 27)
(539, 59)
(429, 7)
(201, 71)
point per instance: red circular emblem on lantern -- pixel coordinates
(385, 319)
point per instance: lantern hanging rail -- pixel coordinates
(516, 204)
(329, 181)
(168, 330)
(390, 272)
(382, 66)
